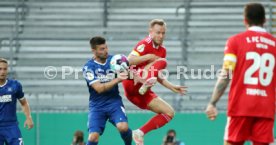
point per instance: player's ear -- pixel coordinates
(245, 22)
(93, 50)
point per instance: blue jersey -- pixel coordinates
(94, 71)
(9, 93)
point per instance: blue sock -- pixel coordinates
(127, 137)
(91, 143)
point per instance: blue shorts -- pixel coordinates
(97, 119)
(10, 135)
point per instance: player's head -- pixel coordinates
(171, 132)
(171, 135)
(157, 30)
(254, 14)
(3, 69)
(78, 137)
(99, 47)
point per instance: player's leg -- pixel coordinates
(125, 132)
(13, 135)
(150, 73)
(96, 125)
(237, 130)
(2, 137)
(119, 119)
(262, 131)
(164, 114)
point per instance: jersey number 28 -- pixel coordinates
(259, 62)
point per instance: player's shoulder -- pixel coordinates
(238, 35)
(145, 41)
(13, 83)
(163, 47)
(109, 57)
(89, 64)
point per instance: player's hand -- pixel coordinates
(182, 90)
(211, 112)
(122, 76)
(152, 57)
(29, 123)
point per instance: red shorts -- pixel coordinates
(132, 94)
(255, 129)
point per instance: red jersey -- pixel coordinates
(252, 91)
(146, 46)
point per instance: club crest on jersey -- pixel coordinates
(9, 89)
(5, 98)
(89, 76)
(141, 48)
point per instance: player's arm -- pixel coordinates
(27, 111)
(137, 59)
(103, 87)
(221, 84)
(175, 88)
(139, 55)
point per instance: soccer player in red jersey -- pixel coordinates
(250, 57)
(148, 59)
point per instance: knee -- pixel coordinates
(171, 113)
(93, 137)
(122, 127)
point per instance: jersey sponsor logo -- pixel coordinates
(5, 98)
(141, 48)
(106, 78)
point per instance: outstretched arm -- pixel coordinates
(27, 111)
(175, 88)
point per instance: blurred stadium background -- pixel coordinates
(35, 34)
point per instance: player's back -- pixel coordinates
(252, 91)
(9, 93)
(95, 71)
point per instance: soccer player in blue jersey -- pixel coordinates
(10, 92)
(105, 103)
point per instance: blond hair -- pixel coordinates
(3, 60)
(160, 22)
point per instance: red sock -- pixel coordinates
(156, 67)
(157, 121)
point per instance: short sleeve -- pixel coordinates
(89, 75)
(231, 46)
(19, 91)
(139, 49)
(230, 54)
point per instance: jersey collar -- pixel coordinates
(4, 84)
(257, 29)
(98, 62)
